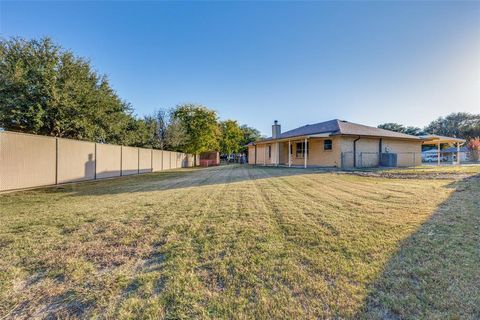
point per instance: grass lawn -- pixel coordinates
(238, 242)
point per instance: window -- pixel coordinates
(269, 152)
(299, 149)
(327, 144)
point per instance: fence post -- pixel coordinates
(95, 153)
(56, 160)
(121, 161)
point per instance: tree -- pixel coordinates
(461, 125)
(231, 137)
(249, 135)
(474, 148)
(200, 126)
(414, 131)
(47, 90)
(392, 127)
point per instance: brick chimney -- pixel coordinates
(276, 130)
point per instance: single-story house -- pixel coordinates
(337, 143)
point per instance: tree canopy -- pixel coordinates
(200, 127)
(45, 89)
(231, 137)
(401, 128)
(461, 125)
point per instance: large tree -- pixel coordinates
(249, 135)
(231, 137)
(45, 89)
(401, 128)
(461, 125)
(200, 128)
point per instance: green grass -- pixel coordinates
(237, 242)
(433, 169)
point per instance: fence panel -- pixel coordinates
(165, 160)
(367, 159)
(173, 160)
(157, 159)
(76, 161)
(26, 161)
(109, 161)
(30, 160)
(144, 160)
(129, 161)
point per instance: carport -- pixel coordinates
(437, 140)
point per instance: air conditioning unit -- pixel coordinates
(388, 159)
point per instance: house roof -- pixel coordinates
(341, 127)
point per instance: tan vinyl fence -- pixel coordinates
(28, 160)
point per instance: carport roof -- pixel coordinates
(436, 139)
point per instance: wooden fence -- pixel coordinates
(28, 160)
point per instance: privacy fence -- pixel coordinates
(30, 160)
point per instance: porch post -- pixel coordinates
(277, 158)
(305, 153)
(289, 154)
(265, 154)
(458, 153)
(438, 153)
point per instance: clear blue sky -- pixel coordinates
(366, 62)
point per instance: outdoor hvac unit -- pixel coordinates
(388, 159)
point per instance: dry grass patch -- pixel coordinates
(231, 242)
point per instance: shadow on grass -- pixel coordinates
(435, 274)
(179, 179)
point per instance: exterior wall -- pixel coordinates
(129, 161)
(26, 161)
(108, 160)
(260, 154)
(76, 160)
(409, 153)
(251, 155)
(316, 156)
(144, 160)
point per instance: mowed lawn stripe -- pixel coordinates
(231, 242)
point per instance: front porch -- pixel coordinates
(300, 152)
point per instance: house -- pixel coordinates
(337, 143)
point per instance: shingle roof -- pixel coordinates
(341, 127)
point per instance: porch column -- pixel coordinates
(265, 154)
(289, 154)
(438, 153)
(458, 153)
(305, 153)
(277, 157)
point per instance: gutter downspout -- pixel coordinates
(255, 154)
(355, 152)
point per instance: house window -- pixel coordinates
(299, 149)
(327, 144)
(269, 152)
